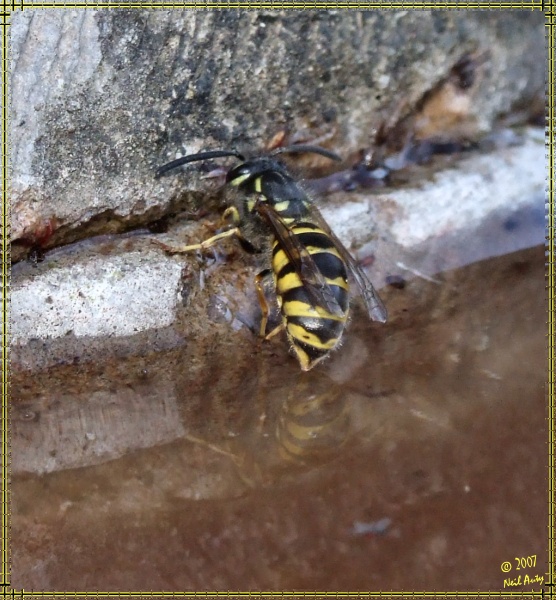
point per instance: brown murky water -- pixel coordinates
(415, 459)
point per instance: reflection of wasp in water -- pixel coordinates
(314, 420)
(310, 265)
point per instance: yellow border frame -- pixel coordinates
(548, 8)
(284, 4)
(551, 34)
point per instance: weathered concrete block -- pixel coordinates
(99, 98)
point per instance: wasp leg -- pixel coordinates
(276, 330)
(203, 245)
(262, 300)
(234, 213)
(235, 231)
(264, 306)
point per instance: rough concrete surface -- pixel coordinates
(457, 197)
(107, 296)
(100, 98)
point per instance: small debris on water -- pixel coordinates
(371, 528)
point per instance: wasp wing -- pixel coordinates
(375, 307)
(313, 280)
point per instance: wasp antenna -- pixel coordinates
(195, 157)
(298, 148)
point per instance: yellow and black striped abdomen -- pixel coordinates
(312, 330)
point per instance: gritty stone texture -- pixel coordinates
(51, 52)
(451, 200)
(108, 296)
(99, 98)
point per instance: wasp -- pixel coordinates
(309, 264)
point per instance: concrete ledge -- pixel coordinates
(481, 206)
(106, 296)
